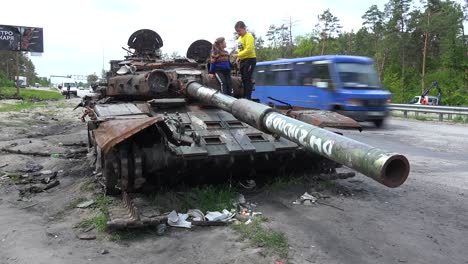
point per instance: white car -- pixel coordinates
(73, 89)
(431, 100)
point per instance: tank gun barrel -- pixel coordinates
(388, 168)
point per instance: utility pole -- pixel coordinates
(17, 73)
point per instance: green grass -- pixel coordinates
(88, 185)
(205, 198)
(273, 241)
(28, 93)
(85, 223)
(28, 98)
(460, 119)
(75, 202)
(422, 118)
(14, 177)
(280, 183)
(100, 220)
(327, 185)
(17, 107)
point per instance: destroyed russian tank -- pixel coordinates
(163, 121)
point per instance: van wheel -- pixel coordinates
(378, 123)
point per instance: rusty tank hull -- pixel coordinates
(164, 121)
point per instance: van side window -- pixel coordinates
(312, 73)
(260, 75)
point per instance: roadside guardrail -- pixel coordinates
(449, 111)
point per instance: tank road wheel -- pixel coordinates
(123, 169)
(111, 173)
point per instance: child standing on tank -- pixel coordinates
(220, 65)
(246, 57)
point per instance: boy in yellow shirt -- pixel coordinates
(246, 57)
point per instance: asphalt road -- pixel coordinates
(423, 221)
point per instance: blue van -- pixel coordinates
(345, 84)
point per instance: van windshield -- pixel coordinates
(357, 76)
(71, 84)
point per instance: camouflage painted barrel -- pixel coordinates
(390, 169)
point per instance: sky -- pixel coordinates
(81, 36)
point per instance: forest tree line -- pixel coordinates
(412, 46)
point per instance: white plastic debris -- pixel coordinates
(248, 222)
(178, 220)
(196, 215)
(306, 199)
(215, 216)
(219, 216)
(241, 199)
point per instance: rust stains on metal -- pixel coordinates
(323, 118)
(112, 132)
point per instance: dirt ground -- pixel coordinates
(424, 221)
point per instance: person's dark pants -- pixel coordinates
(247, 67)
(224, 78)
(67, 95)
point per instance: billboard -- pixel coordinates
(18, 38)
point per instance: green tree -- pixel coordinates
(328, 26)
(373, 22)
(92, 78)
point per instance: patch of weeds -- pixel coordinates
(17, 107)
(205, 198)
(28, 93)
(273, 241)
(100, 221)
(327, 185)
(75, 202)
(397, 115)
(281, 183)
(61, 105)
(460, 119)
(85, 223)
(103, 201)
(88, 185)
(422, 118)
(14, 177)
(209, 198)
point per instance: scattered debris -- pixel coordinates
(22, 152)
(30, 167)
(51, 185)
(104, 251)
(334, 206)
(86, 236)
(3, 165)
(178, 220)
(161, 229)
(86, 204)
(29, 206)
(249, 184)
(196, 215)
(305, 199)
(31, 189)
